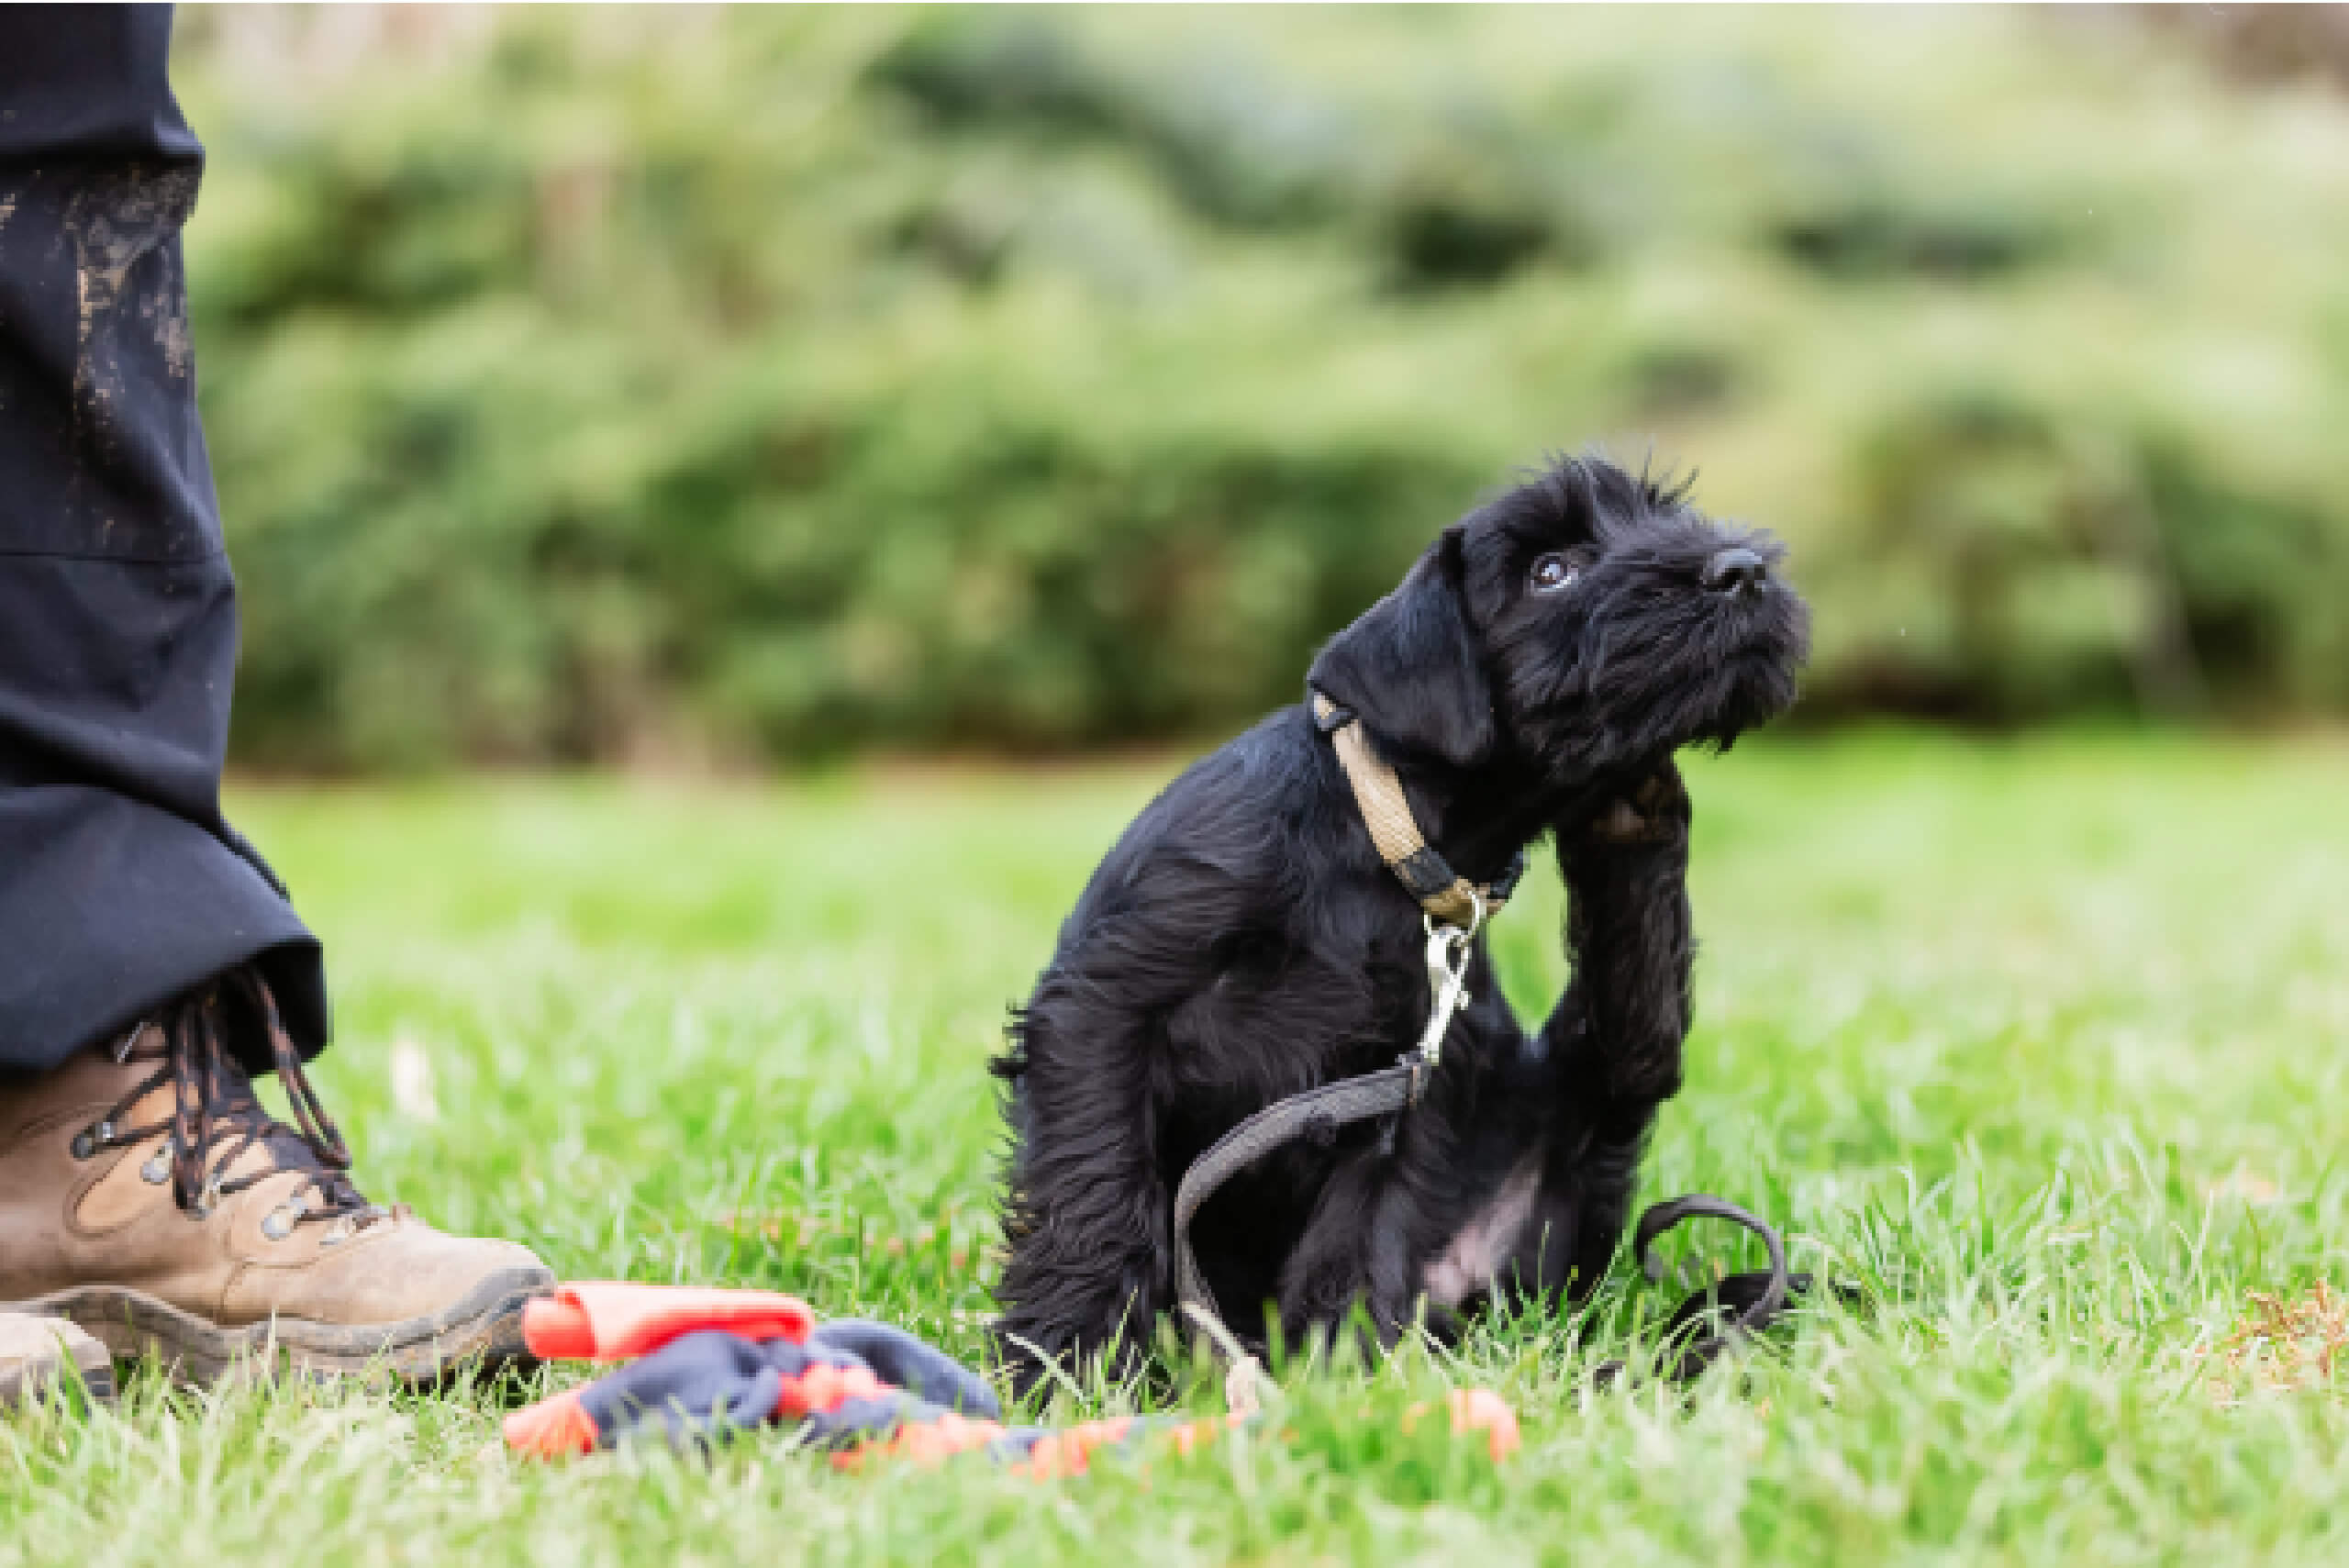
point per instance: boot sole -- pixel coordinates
(484, 1327)
(92, 1360)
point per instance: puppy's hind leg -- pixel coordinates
(1086, 1222)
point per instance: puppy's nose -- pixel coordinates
(1734, 569)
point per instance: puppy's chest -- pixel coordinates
(1271, 1018)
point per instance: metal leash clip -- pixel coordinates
(1449, 948)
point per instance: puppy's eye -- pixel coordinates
(1552, 573)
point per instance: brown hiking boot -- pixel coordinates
(146, 1194)
(35, 1353)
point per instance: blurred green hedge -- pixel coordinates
(609, 385)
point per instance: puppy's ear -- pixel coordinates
(1410, 667)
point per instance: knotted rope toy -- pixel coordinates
(701, 1363)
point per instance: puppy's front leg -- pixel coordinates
(1430, 1185)
(1356, 1251)
(1615, 1036)
(1630, 936)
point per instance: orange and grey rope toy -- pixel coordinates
(699, 1363)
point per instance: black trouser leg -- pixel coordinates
(121, 884)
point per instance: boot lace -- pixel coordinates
(217, 1116)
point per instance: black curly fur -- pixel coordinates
(1243, 942)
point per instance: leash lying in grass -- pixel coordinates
(704, 1363)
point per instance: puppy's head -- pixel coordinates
(1584, 622)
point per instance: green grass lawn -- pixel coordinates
(2044, 1047)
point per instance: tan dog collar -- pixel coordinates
(1449, 899)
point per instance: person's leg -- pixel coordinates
(149, 960)
(121, 884)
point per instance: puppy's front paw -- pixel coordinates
(1656, 811)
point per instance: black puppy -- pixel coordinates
(1244, 941)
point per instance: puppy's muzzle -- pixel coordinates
(1735, 571)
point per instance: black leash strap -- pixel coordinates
(1351, 1100)
(1333, 1106)
(1697, 1345)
